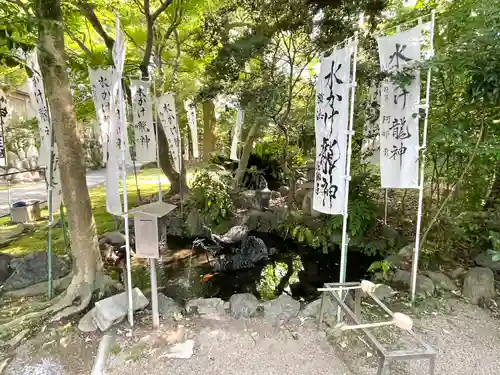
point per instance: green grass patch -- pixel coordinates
(36, 239)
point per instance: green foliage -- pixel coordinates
(210, 195)
(384, 267)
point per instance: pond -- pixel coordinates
(296, 269)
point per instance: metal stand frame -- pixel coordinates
(386, 356)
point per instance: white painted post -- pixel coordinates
(422, 165)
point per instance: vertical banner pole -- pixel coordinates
(51, 216)
(2, 115)
(181, 187)
(416, 252)
(127, 234)
(386, 205)
(160, 193)
(63, 225)
(350, 133)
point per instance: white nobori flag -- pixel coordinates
(331, 123)
(240, 118)
(370, 148)
(142, 114)
(399, 130)
(117, 132)
(38, 100)
(190, 108)
(165, 107)
(101, 81)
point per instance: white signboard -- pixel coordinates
(37, 97)
(3, 116)
(146, 236)
(38, 100)
(331, 121)
(142, 114)
(399, 130)
(101, 81)
(165, 108)
(370, 148)
(240, 117)
(190, 108)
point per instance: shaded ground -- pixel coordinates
(467, 339)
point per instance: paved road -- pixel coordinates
(37, 190)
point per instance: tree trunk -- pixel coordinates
(166, 164)
(245, 155)
(208, 128)
(87, 264)
(493, 199)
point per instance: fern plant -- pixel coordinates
(210, 195)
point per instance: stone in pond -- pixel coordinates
(206, 307)
(32, 269)
(479, 284)
(5, 270)
(243, 305)
(284, 307)
(168, 308)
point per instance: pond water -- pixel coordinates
(186, 273)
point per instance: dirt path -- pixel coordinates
(467, 339)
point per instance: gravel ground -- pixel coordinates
(467, 340)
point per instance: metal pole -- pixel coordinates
(160, 193)
(63, 225)
(49, 204)
(181, 192)
(350, 133)
(386, 204)
(422, 165)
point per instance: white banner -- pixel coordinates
(3, 117)
(240, 118)
(115, 168)
(399, 130)
(370, 147)
(190, 108)
(101, 81)
(142, 114)
(165, 108)
(37, 97)
(331, 123)
(38, 100)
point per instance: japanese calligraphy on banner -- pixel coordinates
(37, 96)
(399, 130)
(331, 122)
(165, 107)
(115, 167)
(142, 114)
(190, 108)
(240, 118)
(101, 81)
(370, 147)
(3, 116)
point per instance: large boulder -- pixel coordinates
(32, 269)
(284, 307)
(424, 285)
(313, 309)
(5, 270)
(243, 305)
(441, 280)
(206, 307)
(168, 308)
(194, 223)
(115, 238)
(479, 283)
(486, 260)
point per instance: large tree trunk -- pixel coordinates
(245, 155)
(166, 164)
(208, 128)
(87, 262)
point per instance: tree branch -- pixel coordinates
(88, 11)
(161, 9)
(82, 46)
